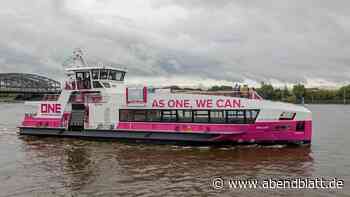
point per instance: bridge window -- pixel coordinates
(116, 75)
(80, 76)
(83, 80)
(120, 76)
(108, 74)
(87, 75)
(103, 74)
(112, 75)
(97, 84)
(106, 85)
(95, 74)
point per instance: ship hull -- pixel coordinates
(157, 137)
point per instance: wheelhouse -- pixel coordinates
(93, 78)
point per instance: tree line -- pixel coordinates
(299, 94)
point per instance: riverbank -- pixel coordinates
(9, 99)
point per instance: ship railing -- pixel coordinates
(30, 114)
(249, 94)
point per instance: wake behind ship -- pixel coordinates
(96, 103)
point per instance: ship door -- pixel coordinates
(76, 122)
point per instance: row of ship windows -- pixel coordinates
(107, 74)
(247, 116)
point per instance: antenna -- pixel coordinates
(78, 56)
(76, 60)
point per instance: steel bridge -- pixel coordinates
(22, 83)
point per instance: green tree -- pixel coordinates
(218, 88)
(266, 91)
(277, 94)
(299, 91)
(343, 93)
(285, 93)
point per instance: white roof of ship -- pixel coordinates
(80, 68)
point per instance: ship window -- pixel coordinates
(95, 74)
(87, 75)
(83, 80)
(251, 115)
(103, 73)
(185, 115)
(116, 75)
(154, 115)
(201, 116)
(140, 115)
(300, 126)
(112, 75)
(135, 95)
(106, 85)
(80, 76)
(132, 115)
(97, 84)
(217, 116)
(126, 115)
(287, 116)
(169, 115)
(87, 80)
(235, 116)
(120, 76)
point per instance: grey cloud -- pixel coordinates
(288, 41)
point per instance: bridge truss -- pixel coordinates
(27, 83)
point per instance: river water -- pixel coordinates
(32, 166)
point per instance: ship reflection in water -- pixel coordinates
(110, 167)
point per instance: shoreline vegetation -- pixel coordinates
(298, 94)
(9, 98)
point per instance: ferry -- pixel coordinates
(96, 103)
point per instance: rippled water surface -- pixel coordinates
(32, 166)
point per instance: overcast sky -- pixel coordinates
(183, 41)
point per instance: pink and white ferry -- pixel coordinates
(96, 103)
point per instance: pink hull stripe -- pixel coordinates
(42, 122)
(260, 131)
(30, 121)
(170, 131)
